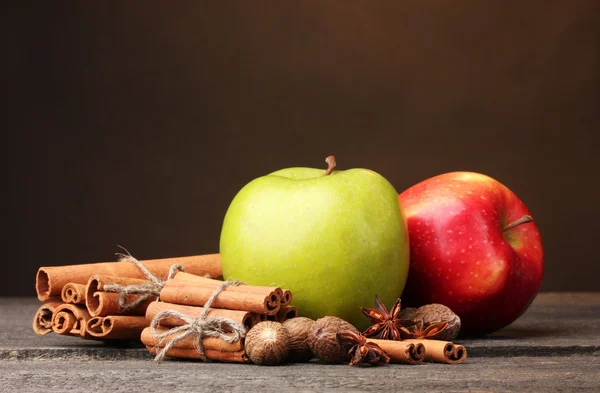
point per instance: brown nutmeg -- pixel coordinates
(267, 343)
(432, 313)
(407, 313)
(323, 340)
(298, 329)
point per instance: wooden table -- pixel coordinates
(555, 346)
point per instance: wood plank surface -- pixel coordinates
(554, 346)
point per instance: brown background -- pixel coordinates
(136, 123)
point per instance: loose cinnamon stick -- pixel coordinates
(73, 293)
(442, 351)
(116, 327)
(102, 304)
(70, 319)
(246, 318)
(403, 352)
(242, 297)
(51, 280)
(42, 321)
(214, 348)
(287, 312)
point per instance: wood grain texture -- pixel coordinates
(555, 346)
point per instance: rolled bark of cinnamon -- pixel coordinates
(42, 321)
(73, 293)
(442, 351)
(70, 319)
(51, 280)
(285, 297)
(116, 327)
(242, 297)
(214, 348)
(103, 304)
(231, 357)
(246, 318)
(402, 352)
(287, 312)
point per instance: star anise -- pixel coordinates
(386, 324)
(420, 331)
(361, 350)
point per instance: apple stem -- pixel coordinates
(330, 160)
(523, 220)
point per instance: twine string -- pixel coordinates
(204, 326)
(146, 290)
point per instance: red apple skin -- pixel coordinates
(459, 255)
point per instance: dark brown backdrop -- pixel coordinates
(136, 123)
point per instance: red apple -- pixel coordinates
(473, 247)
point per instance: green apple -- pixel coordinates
(335, 239)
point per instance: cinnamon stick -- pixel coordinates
(51, 280)
(214, 348)
(285, 296)
(284, 313)
(73, 293)
(246, 318)
(287, 312)
(42, 321)
(231, 357)
(403, 352)
(70, 319)
(116, 327)
(242, 297)
(441, 351)
(265, 317)
(102, 304)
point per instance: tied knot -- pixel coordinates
(144, 291)
(204, 326)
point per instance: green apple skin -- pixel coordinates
(335, 241)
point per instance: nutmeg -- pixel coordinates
(432, 313)
(267, 343)
(298, 329)
(407, 313)
(323, 340)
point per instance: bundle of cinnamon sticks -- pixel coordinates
(187, 294)
(77, 304)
